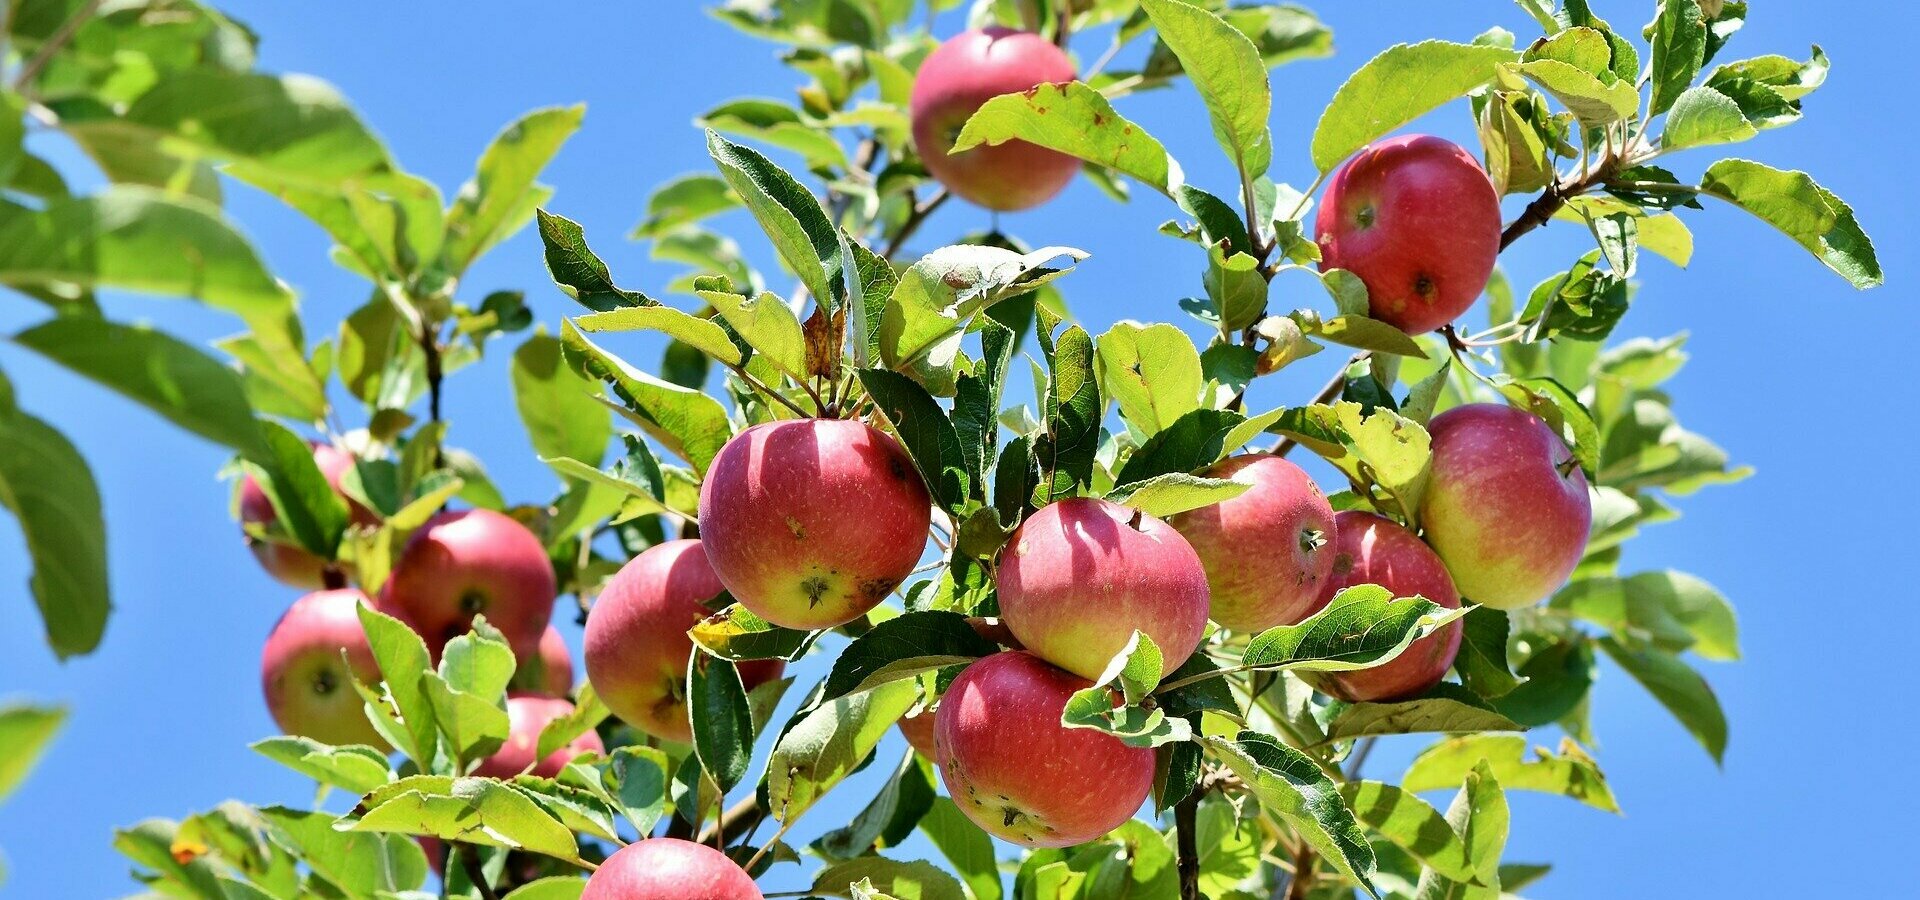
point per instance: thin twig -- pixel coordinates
(470, 861)
(1187, 837)
(914, 220)
(60, 38)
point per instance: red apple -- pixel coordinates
(1079, 576)
(1417, 219)
(1507, 506)
(812, 522)
(953, 82)
(1017, 772)
(637, 646)
(286, 562)
(1369, 549)
(468, 563)
(669, 869)
(308, 683)
(527, 714)
(1266, 551)
(550, 671)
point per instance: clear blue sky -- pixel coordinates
(1793, 372)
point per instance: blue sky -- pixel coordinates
(1793, 372)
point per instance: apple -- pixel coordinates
(550, 670)
(637, 646)
(311, 658)
(1507, 507)
(669, 869)
(811, 522)
(467, 563)
(287, 563)
(1418, 220)
(1080, 575)
(953, 82)
(1017, 772)
(1370, 549)
(1267, 552)
(526, 715)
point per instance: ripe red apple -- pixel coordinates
(1417, 219)
(1079, 576)
(1507, 506)
(550, 671)
(669, 869)
(467, 563)
(953, 82)
(287, 563)
(308, 685)
(526, 715)
(1267, 552)
(812, 522)
(1017, 772)
(637, 646)
(1369, 549)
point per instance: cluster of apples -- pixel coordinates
(811, 523)
(459, 565)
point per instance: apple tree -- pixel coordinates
(1116, 622)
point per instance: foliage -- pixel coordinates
(1255, 762)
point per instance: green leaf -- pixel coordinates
(397, 649)
(357, 864)
(1445, 709)
(578, 271)
(1077, 120)
(888, 819)
(790, 215)
(1678, 688)
(502, 195)
(140, 240)
(768, 325)
(968, 849)
(1151, 371)
(905, 647)
(924, 430)
(938, 295)
(557, 405)
(1361, 627)
(736, 634)
(778, 124)
(1592, 100)
(1291, 786)
(150, 844)
(683, 201)
(1226, 68)
(1569, 773)
(1797, 205)
(900, 880)
(1396, 87)
(47, 486)
(355, 770)
(694, 331)
(1789, 80)
(828, 742)
(637, 777)
(1479, 815)
(1176, 492)
(1410, 823)
(1679, 48)
(588, 712)
(1703, 116)
(722, 722)
(25, 733)
(1673, 610)
(303, 500)
(1364, 333)
(552, 887)
(479, 811)
(169, 376)
(685, 421)
(1482, 660)
(1074, 407)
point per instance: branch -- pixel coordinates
(1302, 882)
(470, 861)
(914, 221)
(1187, 832)
(736, 821)
(60, 38)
